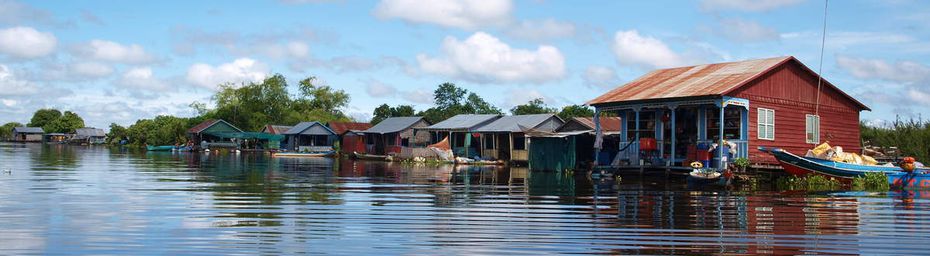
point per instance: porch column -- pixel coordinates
(637, 123)
(597, 134)
(744, 124)
(660, 131)
(624, 118)
(673, 109)
(720, 143)
(702, 123)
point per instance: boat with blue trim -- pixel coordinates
(919, 178)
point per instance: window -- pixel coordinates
(766, 124)
(488, 141)
(812, 129)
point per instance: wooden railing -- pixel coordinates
(520, 155)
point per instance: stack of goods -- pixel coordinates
(826, 152)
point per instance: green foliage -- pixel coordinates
(116, 134)
(53, 121)
(6, 131)
(872, 181)
(384, 111)
(162, 130)
(572, 111)
(254, 105)
(741, 162)
(911, 137)
(808, 183)
(535, 106)
(452, 100)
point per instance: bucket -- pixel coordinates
(647, 144)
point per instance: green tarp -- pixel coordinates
(552, 154)
(248, 135)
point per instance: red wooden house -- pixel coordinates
(773, 102)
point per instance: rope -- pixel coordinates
(823, 40)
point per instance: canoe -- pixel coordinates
(704, 175)
(801, 166)
(361, 156)
(160, 148)
(317, 154)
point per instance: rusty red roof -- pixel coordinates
(701, 80)
(202, 126)
(343, 127)
(608, 123)
(276, 129)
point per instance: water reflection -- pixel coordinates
(62, 199)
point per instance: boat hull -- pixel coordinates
(909, 180)
(159, 148)
(322, 154)
(801, 166)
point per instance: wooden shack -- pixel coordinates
(505, 138)
(207, 134)
(349, 136)
(460, 130)
(394, 133)
(89, 135)
(310, 137)
(774, 102)
(27, 134)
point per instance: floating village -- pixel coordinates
(711, 122)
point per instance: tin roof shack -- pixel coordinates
(582, 129)
(276, 130)
(505, 138)
(56, 137)
(459, 129)
(208, 135)
(89, 136)
(310, 137)
(28, 134)
(774, 102)
(392, 134)
(347, 133)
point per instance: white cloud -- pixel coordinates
(746, 5)
(631, 48)
(464, 14)
(142, 78)
(10, 85)
(91, 69)
(378, 89)
(484, 58)
(26, 42)
(746, 31)
(418, 96)
(115, 52)
(901, 71)
(239, 71)
(523, 96)
(13, 12)
(291, 49)
(601, 77)
(541, 29)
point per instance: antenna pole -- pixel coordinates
(823, 40)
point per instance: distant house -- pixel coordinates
(349, 136)
(276, 130)
(56, 137)
(393, 133)
(209, 134)
(505, 139)
(89, 135)
(581, 130)
(28, 134)
(310, 137)
(459, 129)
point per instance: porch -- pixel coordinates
(675, 132)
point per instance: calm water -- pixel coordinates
(93, 200)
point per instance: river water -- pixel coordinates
(57, 199)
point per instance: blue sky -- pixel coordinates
(124, 60)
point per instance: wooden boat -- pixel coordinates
(801, 166)
(295, 154)
(704, 175)
(913, 180)
(362, 156)
(160, 148)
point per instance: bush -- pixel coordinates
(873, 181)
(809, 183)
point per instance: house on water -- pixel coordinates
(276, 130)
(583, 129)
(349, 135)
(310, 137)
(394, 133)
(213, 134)
(460, 130)
(27, 134)
(89, 135)
(505, 138)
(571, 146)
(672, 116)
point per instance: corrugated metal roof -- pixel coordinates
(693, 81)
(394, 124)
(608, 123)
(343, 127)
(463, 122)
(90, 132)
(28, 130)
(210, 123)
(517, 123)
(276, 129)
(303, 126)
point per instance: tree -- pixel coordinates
(572, 111)
(6, 131)
(117, 133)
(535, 106)
(451, 100)
(162, 130)
(44, 117)
(384, 111)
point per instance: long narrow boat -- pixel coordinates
(362, 156)
(160, 148)
(294, 154)
(801, 166)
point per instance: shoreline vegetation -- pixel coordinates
(251, 106)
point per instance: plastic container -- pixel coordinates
(647, 144)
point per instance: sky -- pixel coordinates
(120, 61)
